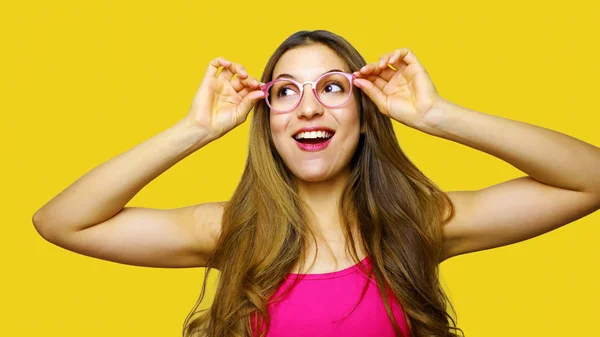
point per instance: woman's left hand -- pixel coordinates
(405, 94)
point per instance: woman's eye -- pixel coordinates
(285, 92)
(333, 87)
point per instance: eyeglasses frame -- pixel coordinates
(265, 89)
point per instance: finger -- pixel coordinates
(405, 55)
(226, 74)
(238, 69)
(248, 102)
(247, 84)
(244, 92)
(398, 66)
(378, 81)
(374, 69)
(215, 64)
(251, 82)
(236, 83)
(379, 78)
(384, 60)
(232, 70)
(387, 73)
(397, 60)
(368, 69)
(374, 93)
(250, 85)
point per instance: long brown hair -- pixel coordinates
(264, 233)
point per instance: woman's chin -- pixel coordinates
(317, 173)
(312, 179)
(312, 174)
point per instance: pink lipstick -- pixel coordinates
(314, 147)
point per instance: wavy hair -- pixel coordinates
(265, 228)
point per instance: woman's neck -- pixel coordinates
(323, 200)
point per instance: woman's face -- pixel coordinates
(307, 161)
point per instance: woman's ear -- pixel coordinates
(363, 128)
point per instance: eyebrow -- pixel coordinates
(292, 77)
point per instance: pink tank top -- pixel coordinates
(322, 304)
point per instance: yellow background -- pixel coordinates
(82, 82)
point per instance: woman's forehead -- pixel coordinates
(306, 63)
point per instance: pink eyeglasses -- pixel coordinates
(331, 89)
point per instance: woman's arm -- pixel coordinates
(563, 182)
(104, 191)
(89, 217)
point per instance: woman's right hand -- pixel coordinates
(223, 102)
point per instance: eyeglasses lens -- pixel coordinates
(332, 90)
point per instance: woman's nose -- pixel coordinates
(309, 105)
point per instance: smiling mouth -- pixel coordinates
(314, 137)
(312, 140)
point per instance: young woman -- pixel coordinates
(325, 172)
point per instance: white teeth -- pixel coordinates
(313, 134)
